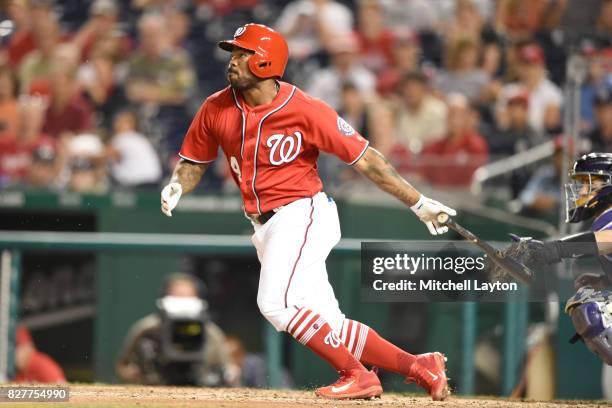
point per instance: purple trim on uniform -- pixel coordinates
(282, 105)
(361, 154)
(301, 248)
(603, 222)
(196, 161)
(243, 121)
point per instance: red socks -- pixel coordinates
(367, 346)
(312, 330)
(357, 342)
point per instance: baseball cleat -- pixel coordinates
(429, 372)
(353, 384)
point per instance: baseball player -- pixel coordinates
(588, 195)
(271, 134)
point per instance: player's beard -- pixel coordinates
(242, 83)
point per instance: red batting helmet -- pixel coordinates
(270, 48)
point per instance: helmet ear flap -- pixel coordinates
(270, 49)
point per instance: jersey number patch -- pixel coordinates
(284, 148)
(235, 167)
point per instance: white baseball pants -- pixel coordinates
(292, 247)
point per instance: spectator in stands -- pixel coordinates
(373, 120)
(417, 15)
(543, 195)
(354, 109)
(462, 74)
(345, 67)
(179, 25)
(517, 135)
(452, 160)
(158, 74)
(601, 136)
(142, 359)
(21, 42)
(406, 55)
(43, 171)
(545, 98)
(468, 24)
(599, 81)
(311, 26)
(85, 156)
(103, 21)
(38, 64)
(100, 78)
(134, 162)
(520, 19)
(85, 176)
(421, 117)
(9, 107)
(32, 365)
(15, 152)
(375, 41)
(604, 24)
(67, 111)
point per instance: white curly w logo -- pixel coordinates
(332, 339)
(284, 148)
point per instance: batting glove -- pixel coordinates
(427, 210)
(170, 196)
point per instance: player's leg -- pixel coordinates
(287, 249)
(427, 370)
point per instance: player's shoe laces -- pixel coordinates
(428, 371)
(353, 384)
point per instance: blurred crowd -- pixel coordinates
(97, 94)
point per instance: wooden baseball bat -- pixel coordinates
(516, 269)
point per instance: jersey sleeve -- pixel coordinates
(332, 134)
(200, 144)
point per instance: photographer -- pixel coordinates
(178, 345)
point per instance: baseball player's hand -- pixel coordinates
(170, 196)
(427, 210)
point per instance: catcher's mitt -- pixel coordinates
(532, 253)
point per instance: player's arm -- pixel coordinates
(536, 254)
(185, 177)
(377, 168)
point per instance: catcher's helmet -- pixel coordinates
(589, 191)
(270, 48)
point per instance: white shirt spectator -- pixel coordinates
(414, 14)
(427, 125)
(327, 84)
(138, 162)
(297, 23)
(545, 94)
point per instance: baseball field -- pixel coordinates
(110, 396)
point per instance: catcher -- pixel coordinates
(588, 196)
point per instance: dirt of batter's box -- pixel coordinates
(98, 395)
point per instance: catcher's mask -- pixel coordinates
(589, 191)
(591, 313)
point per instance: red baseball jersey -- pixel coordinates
(272, 149)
